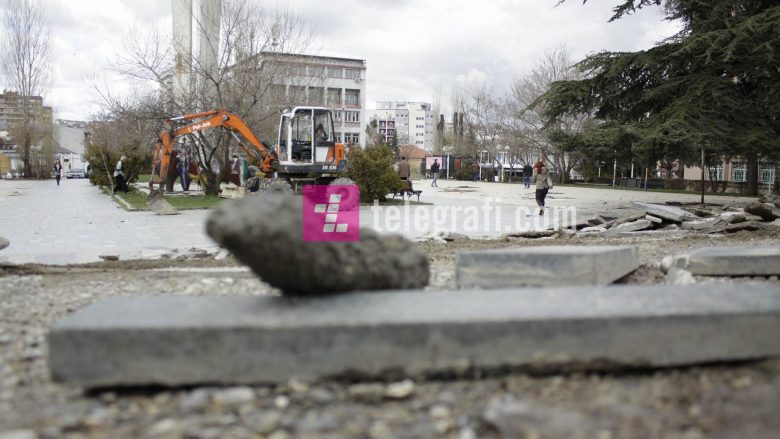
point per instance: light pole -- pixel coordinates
(614, 170)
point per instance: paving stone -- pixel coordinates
(669, 213)
(170, 340)
(545, 266)
(732, 261)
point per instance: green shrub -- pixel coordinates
(102, 162)
(371, 168)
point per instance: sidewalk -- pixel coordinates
(75, 223)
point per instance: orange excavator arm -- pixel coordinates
(204, 121)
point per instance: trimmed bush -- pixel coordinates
(371, 168)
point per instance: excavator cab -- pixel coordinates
(307, 137)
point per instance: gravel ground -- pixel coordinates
(724, 400)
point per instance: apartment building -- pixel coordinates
(734, 170)
(12, 109)
(413, 123)
(323, 81)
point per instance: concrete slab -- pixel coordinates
(633, 226)
(669, 213)
(733, 261)
(545, 266)
(242, 339)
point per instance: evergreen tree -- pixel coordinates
(716, 84)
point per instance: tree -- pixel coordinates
(716, 84)
(371, 168)
(26, 58)
(241, 72)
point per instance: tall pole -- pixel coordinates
(702, 175)
(614, 170)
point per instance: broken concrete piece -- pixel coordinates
(669, 213)
(653, 219)
(548, 266)
(679, 276)
(533, 234)
(596, 221)
(747, 225)
(641, 224)
(158, 205)
(709, 225)
(169, 340)
(4, 243)
(767, 212)
(732, 217)
(593, 230)
(733, 261)
(266, 233)
(771, 198)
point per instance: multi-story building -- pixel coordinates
(323, 81)
(734, 170)
(412, 123)
(12, 109)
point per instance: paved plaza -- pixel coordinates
(76, 223)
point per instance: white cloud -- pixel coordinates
(412, 48)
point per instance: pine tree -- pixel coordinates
(715, 84)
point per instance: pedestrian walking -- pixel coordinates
(57, 171)
(528, 173)
(543, 185)
(435, 172)
(184, 170)
(475, 172)
(235, 171)
(119, 176)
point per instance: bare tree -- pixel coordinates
(26, 58)
(527, 125)
(242, 72)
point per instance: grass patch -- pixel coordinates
(137, 200)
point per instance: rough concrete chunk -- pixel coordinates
(669, 213)
(159, 206)
(266, 233)
(634, 226)
(747, 225)
(3, 243)
(629, 218)
(732, 217)
(653, 219)
(244, 339)
(766, 211)
(771, 198)
(546, 266)
(734, 261)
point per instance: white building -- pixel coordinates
(324, 81)
(412, 122)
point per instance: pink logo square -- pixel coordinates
(331, 212)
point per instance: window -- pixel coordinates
(767, 174)
(297, 93)
(316, 95)
(298, 70)
(334, 96)
(420, 118)
(351, 97)
(738, 171)
(353, 116)
(335, 72)
(317, 71)
(351, 138)
(351, 74)
(338, 115)
(716, 173)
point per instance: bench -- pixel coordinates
(407, 190)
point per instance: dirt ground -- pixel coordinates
(721, 400)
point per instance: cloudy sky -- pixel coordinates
(412, 47)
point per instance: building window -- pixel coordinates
(351, 138)
(337, 115)
(767, 174)
(317, 71)
(352, 116)
(316, 95)
(352, 73)
(716, 173)
(738, 171)
(335, 72)
(334, 96)
(351, 97)
(298, 70)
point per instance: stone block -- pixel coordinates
(634, 226)
(545, 266)
(164, 340)
(669, 213)
(733, 261)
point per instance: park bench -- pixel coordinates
(407, 190)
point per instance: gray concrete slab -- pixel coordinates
(669, 213)
(733, 261)
(240, 339)
(545, 266)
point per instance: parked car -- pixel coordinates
(75, 173)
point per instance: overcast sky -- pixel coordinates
(412, 47)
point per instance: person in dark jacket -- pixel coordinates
(528, 173)
(435, 172)
(57, 171)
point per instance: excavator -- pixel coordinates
(305, 146)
